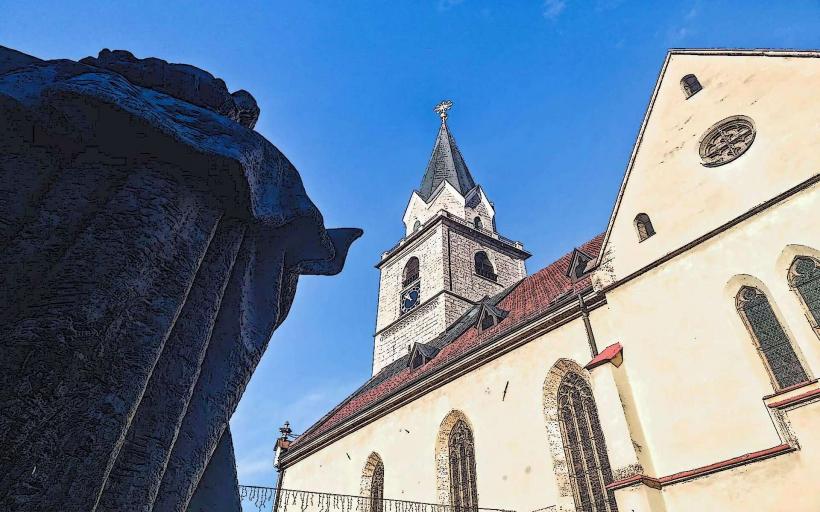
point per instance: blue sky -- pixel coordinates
(548, 98)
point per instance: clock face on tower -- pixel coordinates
(410, 298)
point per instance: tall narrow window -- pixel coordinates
(690, 85)
(411, 286)
(377, 488)
(644, 226)
(587, 459)
(416, 226)
(804, 278)
(463, 489)
(477, 223)
(772, 342)
(484, 267)
(411, 271)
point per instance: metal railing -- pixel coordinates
(263, 499)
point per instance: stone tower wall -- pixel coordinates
(463, 245)
(449, 285)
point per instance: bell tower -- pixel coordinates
(450, 257)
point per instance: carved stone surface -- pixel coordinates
(150, 244)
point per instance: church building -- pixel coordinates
(668, 364)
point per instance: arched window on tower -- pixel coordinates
(416, 225)
(377, 488)
(804, 279)
(477, 223)
(484, 267)
(771, 340)
(410, 295)
(644, 226)
(411, 271)
(584, 446)
(463, 488)
(690, 85)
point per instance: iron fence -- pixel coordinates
(263, 499)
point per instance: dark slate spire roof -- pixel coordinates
(446, 163)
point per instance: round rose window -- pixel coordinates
(726, 141)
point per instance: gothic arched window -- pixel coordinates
(463, 489)
(484, 267)
(411, 271)
(377, 488)
(690, 85)
(416, 226)
(587, 459)
(772, 342)
(644, 226)
(804, 278)
(477, 223)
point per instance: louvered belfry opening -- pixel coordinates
(584, 445)
(771, 339)
(463, 489)
(411, 271)
(804, 278)
(484, 267)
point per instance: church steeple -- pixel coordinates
(446, 162)
(449, 259)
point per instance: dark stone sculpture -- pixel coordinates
(150, 244)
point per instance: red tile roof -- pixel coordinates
(530, 298)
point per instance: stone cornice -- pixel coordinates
(444, 217)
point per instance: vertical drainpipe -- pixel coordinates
(593, 347)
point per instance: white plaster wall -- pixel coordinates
(696, 387)
(683, 198)
(514, 465)
(696, 377)
(465, 281)
(787, 483)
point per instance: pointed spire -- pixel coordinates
(446, 162)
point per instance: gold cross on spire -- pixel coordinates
(442, 108)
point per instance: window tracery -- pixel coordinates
(804, 279)
(726, 141)
(772, 342)
(377, 488)
(463, 488)
(584, 445)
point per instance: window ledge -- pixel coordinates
(793, 395)
(494, 281)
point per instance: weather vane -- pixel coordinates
(442, 108)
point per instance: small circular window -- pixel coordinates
(726, 140)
